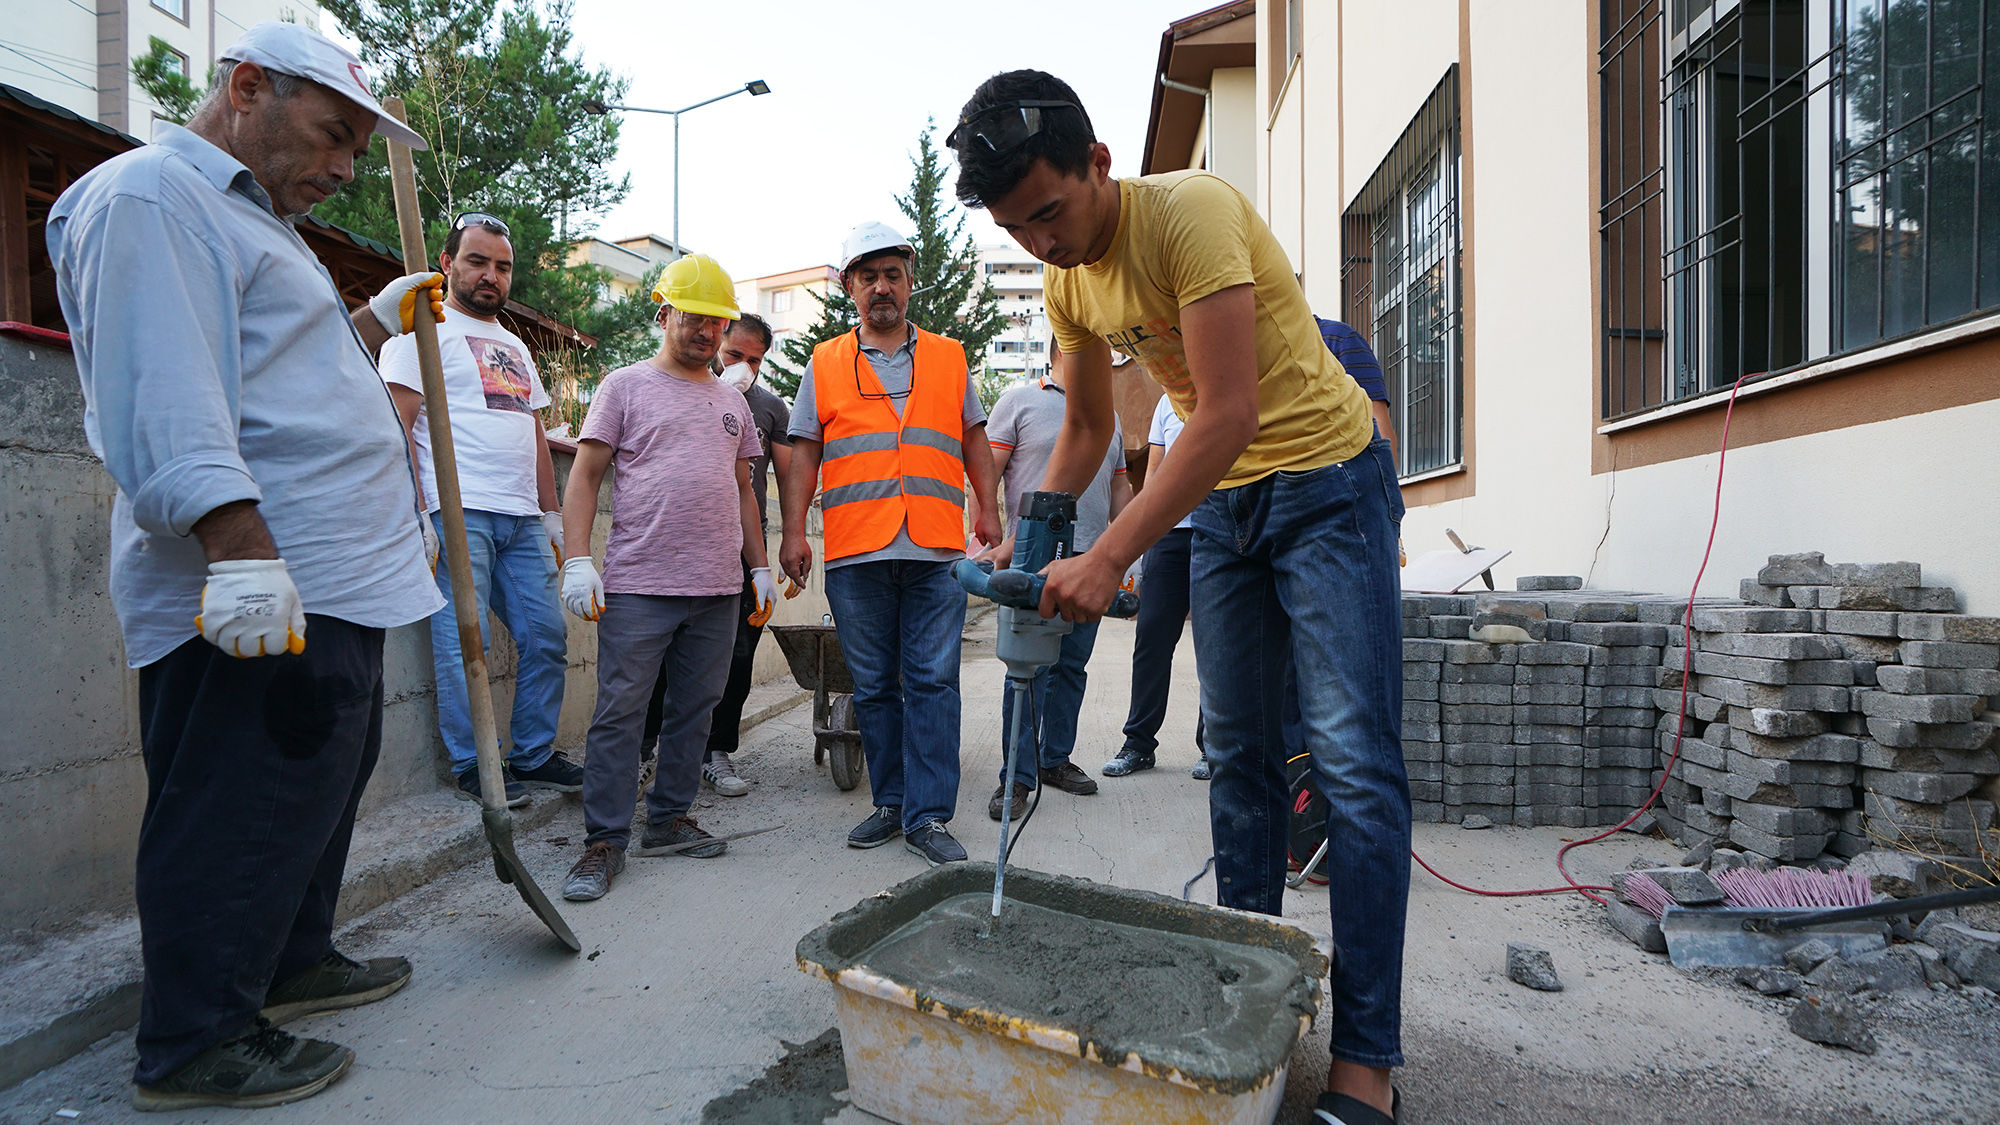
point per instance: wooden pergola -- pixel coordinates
(44, 148)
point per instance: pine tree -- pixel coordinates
(951, 295)
(159, 73)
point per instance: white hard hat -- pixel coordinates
(290, 49)
(871, 238)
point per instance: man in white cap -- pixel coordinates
(887, 422)
(265, 534)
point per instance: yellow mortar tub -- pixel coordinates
(924, 1053)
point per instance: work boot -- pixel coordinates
(592, 875)
(258, 1066)
(337, 981)
(935, 844)
(1020, 799)
(1070, 779)
(558, 773)
(468, 788)
(1202, 771)
(719, 774)
(1127, 761)
(679, 830)
(882, 826)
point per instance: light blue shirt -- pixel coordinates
(218, 364)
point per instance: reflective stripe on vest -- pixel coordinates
(880, 473)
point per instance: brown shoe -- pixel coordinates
(1070, 779)
(1020, 800)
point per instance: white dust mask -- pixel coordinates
(739, 375)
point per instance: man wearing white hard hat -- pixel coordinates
(683, 512)
(887, 423)
(265, 535)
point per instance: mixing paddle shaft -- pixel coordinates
(1028, 641)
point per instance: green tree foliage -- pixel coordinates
(952, 296)
(498, 93)
(161, 72)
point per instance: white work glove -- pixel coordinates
(582, 589)
(396, 305)
(431, 545)
(767, 594)
(552, 523)
(250, 608)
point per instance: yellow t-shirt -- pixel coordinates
(1182, 236)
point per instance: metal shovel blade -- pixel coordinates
(508, 866)
(1719, 938)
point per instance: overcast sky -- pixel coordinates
(772, 183)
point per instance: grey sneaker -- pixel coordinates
(592, 875)
(1202, 771)
(258, 1066)
(935, 844)
(1128, 761)
(468, 787)
(679, 830)
(719, 774)
(338, 981)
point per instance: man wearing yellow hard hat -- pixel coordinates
(682, 514)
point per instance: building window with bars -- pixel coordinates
(1400, 282)
(1826, 179)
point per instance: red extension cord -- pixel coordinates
(1687, 670)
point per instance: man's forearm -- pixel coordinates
(235, 531)
(373, 335)
(1073, 466)
(579, 509)
(545, 472)
(800, 478)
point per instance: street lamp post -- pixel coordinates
(593, 106)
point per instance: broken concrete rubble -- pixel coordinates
(1639, 927)
(1833, 1020)
(1532, 966)
(1974, 955)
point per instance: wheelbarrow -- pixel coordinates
(813, 651)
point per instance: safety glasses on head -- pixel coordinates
(1003, 128)
(481, 219)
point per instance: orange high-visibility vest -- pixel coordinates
(878, 472)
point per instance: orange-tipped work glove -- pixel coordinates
(396, 305)
(792, 589)
(249, 607)
(767, 595)
(582, 588)
(552, 527)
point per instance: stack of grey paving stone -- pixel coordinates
(1846, 704)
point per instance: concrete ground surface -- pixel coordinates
(687, 982)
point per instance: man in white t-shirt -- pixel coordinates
(513, 530)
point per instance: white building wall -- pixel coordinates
(53, 52)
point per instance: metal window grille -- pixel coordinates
(1825, 178)
(1400, 282)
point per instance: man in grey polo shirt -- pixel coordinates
(265, 533)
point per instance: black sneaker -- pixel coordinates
(258, 1066)
(1127, 761)
(646, 750)
(1070, 779)
(1019, 797)
(1202, 771)
(558, 773)
(882, 826)
(468, 788)
(1343, 1110)
(935, 844)
(338, 981)
(679, 830)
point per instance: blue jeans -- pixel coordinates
(513, 575)
(900, 623)
(1302, 567)
(1057, 692)
(1163, 610)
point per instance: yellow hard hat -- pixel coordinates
(697, 284)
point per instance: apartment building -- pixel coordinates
(626, 260)
(78, 53)
(1021, 352)
(787, 300)
(1573, 231)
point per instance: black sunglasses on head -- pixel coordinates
(480, 219)
(1002, 129)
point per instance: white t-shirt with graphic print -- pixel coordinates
(492, 389)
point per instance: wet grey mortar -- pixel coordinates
(1224, 1013)
(795, 1090)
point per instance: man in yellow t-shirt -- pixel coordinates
(1295, 507)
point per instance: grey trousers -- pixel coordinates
(637, 635)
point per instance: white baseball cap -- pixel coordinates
(871, 238)
(290, 49)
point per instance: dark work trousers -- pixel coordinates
(1163, 613)
(253, 772)
(728, 713)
